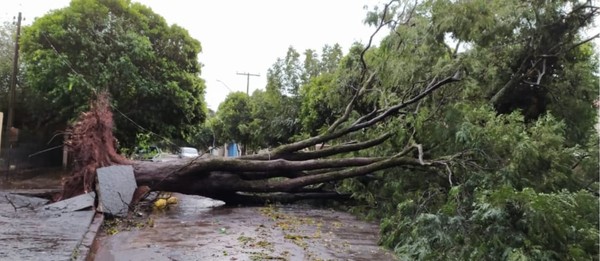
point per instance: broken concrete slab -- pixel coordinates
(37, 193)
(19, 202)
(73, 204)
(115, 187)
(42, 235)
(29, 234)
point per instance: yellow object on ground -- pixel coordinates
(160, 203)
(172, 200)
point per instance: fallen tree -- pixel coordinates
(294, 169)
(287, 169)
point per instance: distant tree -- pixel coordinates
(317, 109)
(149, 68)
(331, 57)
(276, 112)
(311, 65)
(278, 107)
(233, 119)
(267, 130)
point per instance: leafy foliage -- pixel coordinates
(518, 128)
(516, 196)
(149, 68)
(316, 110)
(274, 118)
(6, 57)
(30, 112)
(516, 151)
(291, 106)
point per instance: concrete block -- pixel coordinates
(115, 187)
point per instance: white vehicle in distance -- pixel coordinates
(188, 152)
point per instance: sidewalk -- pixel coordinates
(28, 232)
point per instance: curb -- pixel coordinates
(86, 249)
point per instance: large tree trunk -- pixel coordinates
(226, 178)
(287, 170)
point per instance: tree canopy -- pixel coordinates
(282, 112)
(512, 142)
(233, 119)
(150, 69)
(523, 180)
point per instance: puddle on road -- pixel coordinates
(190, 231)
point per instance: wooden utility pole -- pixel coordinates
(248, 80)
(13, 79)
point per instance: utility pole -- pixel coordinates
(11, 97)
(13, 79)
(248, 80)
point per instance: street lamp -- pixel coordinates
(224, 84)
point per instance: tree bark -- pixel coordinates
(226, 178)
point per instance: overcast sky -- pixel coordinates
(244, 36)
(241, 35)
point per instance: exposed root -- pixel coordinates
(92, 144)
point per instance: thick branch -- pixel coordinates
(289, 148)
(334, 150)
(338, 149)
(271, 174)
(350, 105)
(204, 165)
(394, 109)
(297, 183)
(510, 85)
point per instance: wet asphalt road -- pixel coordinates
(188, 231)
